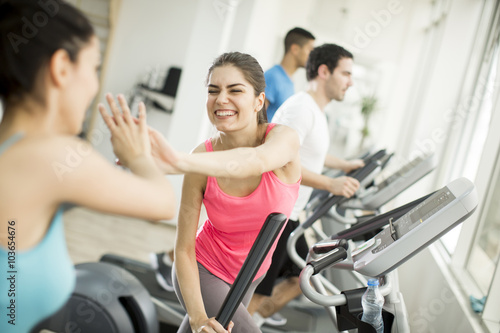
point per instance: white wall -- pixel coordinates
(384, 37)
(270, 22)
(434, 301)
(148, 33)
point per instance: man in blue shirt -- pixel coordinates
(279, 85)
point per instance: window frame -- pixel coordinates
(489, 166)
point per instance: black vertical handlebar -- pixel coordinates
(267, 235)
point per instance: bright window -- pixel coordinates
(486, 249)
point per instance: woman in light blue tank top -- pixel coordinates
(48, 78)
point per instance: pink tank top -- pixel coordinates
(224, 240)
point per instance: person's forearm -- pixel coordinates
(235, 163)
(314, 180)
(189, 282)
(335, 162)
(145, 167)
(164, 202)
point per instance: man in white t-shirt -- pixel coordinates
(329, 73)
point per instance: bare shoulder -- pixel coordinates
(46, 150)
(282, 134)
(64, 151)
(199, 148)
(284, 142)
(282, 131)
(54, 145)
(39, 163)
(56, 157)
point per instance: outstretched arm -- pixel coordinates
(280, 148)
(95, 183)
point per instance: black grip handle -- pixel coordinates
(267, 235)
(322, 209)
(385, 160)
(371, 163)
(329, 245)
(328, 259)
(374, 157)
(328, 203)
(365, 171)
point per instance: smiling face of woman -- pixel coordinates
(231, 102)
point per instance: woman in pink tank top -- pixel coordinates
(247, 170)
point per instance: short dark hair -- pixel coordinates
(297, 36)
(31, 31)
(326, 54)
(251, 70)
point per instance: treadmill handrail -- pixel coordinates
(336, 199)
(376, 156)
(328, 259)
(319, 212)
(265, 239)
(332, 300)
(322, 194)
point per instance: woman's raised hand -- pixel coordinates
(165, 157)
(129, 134)
(129, 137)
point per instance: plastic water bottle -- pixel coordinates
(372, 302)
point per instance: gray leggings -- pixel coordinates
(214, 291)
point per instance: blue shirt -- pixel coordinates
(279, 87)
(36, 282)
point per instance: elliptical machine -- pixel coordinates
(369, 200)
(430, 217)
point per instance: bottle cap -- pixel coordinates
(373, 282)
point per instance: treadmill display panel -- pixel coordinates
(401, 172)
(423, 211)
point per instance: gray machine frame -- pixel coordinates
(402, 239)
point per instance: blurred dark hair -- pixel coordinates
(252, 71)
(326, 54)
(31, 31)
(297, 36)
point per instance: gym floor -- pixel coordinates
(90, 234)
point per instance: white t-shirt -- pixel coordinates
(301, 113)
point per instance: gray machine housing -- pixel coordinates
(417, 229)
(383, 191)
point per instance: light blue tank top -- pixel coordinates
(34, 283)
